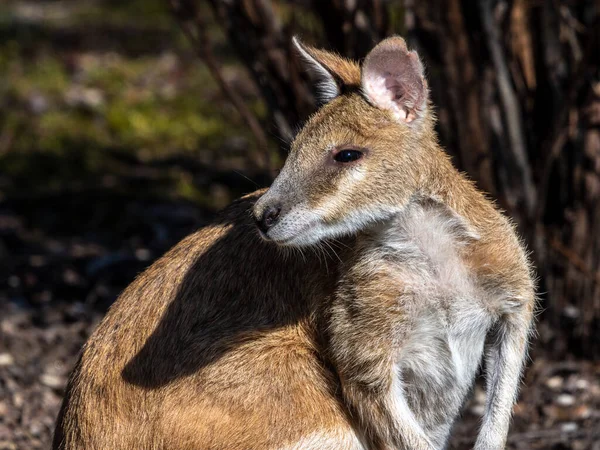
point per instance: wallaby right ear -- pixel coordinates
(393, 79)
(334, 73)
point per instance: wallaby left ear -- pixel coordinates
(393, 79)
(334, 73)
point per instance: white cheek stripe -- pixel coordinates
(358, 173)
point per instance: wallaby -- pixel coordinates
(233, 340)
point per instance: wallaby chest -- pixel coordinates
(420, 292)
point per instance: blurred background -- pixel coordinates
(124, 126)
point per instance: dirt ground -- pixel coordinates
(54, 290)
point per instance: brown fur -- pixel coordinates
(213, 347)
(343, 68)
(229, 342)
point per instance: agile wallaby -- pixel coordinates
(228, 342)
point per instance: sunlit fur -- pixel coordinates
(436, 271)
(356, 322)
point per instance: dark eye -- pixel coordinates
(348, 155)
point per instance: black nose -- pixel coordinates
(269, 217)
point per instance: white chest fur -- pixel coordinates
(442, 342)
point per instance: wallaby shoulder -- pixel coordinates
(218, 332)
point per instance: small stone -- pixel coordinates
(565, 400)
(52, 381)
(569, 427)
(554, 383)
(477, 410)
(18, 400)
(6, 359)
(36, 428)
(582, 384)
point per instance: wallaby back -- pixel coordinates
(213, 347)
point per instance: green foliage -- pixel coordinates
(64, 115)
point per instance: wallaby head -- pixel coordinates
(361, 156)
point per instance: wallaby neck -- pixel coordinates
(442, 182)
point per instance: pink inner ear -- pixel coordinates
(393, 79)
(394, 86)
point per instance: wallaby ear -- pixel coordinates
(334, 73)
(393, 79)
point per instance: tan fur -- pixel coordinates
(479, 286)
(232, 342)
(335, 72)
(213, 347)
(342, 67)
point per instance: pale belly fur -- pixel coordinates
(441, 346)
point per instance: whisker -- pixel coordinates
(325, 256)
(250, 180)
(314, 249)
(338, 242)
(333, 250)
(299, 250)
